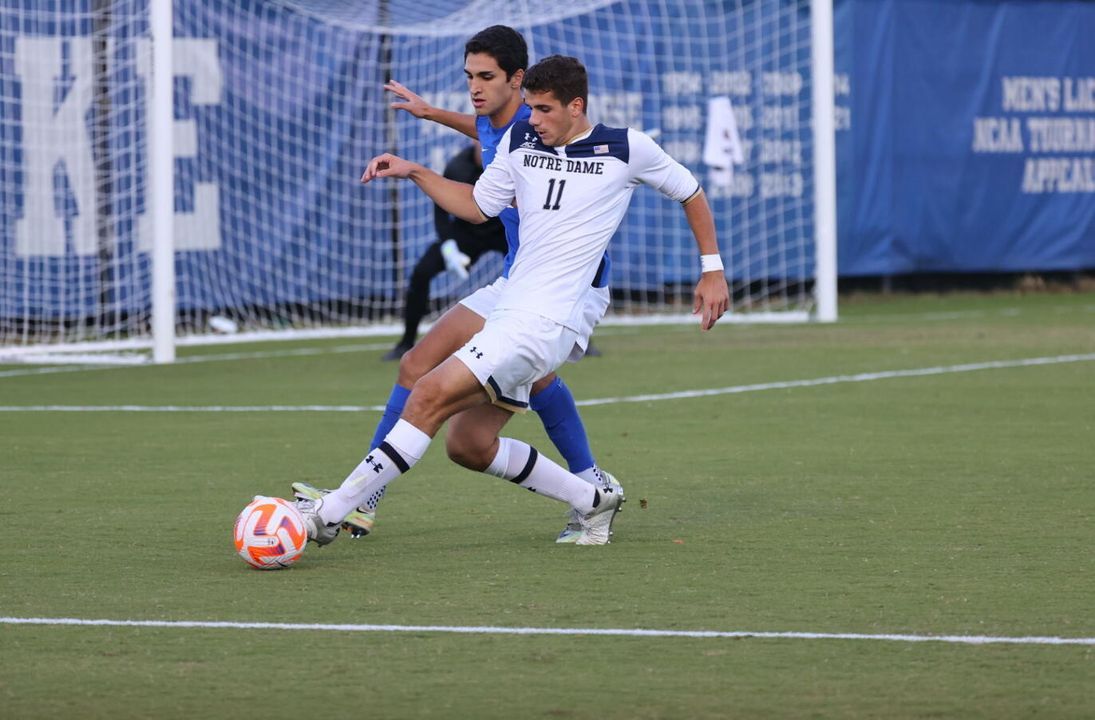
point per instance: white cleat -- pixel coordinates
(596, 527)
(358, 523)
(318, 532)
(573, 529)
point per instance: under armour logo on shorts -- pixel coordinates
(478, 355)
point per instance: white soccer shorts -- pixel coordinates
(512, 351)
(482, 301)
(595, 303)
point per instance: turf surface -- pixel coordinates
(956, 503)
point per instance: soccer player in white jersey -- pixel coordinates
(573, 183)
(494, 63)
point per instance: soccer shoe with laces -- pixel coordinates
(318, 532)
(573, 529)
(358, 523)
(597, 525)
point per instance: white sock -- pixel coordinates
(402, 447)
(519, 463)
(592, 475)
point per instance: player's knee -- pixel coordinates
(413, 366)
(425, 395)
(428, 405)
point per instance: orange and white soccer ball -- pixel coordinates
(270, 533)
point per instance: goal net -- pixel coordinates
(278, 105)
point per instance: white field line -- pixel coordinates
(192, 359)
(840, 379)
(190, 408)
(614, 632)
(609, 326)
(680, 395)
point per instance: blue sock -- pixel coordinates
(396, 402)
(555, 406)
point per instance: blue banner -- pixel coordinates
(970, 141)
(966, 143)
(278, 106)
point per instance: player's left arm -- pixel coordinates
(711, 298)
(655, 167)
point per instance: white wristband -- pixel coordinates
(710, 263)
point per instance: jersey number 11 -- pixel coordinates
(558, 195)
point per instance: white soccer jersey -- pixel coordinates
(571, 200)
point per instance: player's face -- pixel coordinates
(553, 121)
(487, 84)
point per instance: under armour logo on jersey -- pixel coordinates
(478, 355)
(377, 467)
(530, 141)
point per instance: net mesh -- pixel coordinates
(278, 106)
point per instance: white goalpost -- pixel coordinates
(162, 185)
(824, 130)
(176, 173)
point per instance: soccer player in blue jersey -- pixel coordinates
(573, 182)
(494, 63)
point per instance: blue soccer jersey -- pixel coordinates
(488, 139)
(489, 136)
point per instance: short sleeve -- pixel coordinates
(654, 167)
(495, 189)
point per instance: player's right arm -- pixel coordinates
(454, 197)
(417, 106)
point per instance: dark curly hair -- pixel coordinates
(504, 44)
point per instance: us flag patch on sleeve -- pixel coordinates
(600, 149)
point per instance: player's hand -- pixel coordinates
(456, 262)
(711, 298)
(408, 101)
(387, 166)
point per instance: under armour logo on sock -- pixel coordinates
(478, 355)
(377, 467)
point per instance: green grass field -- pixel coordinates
(958, 502)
